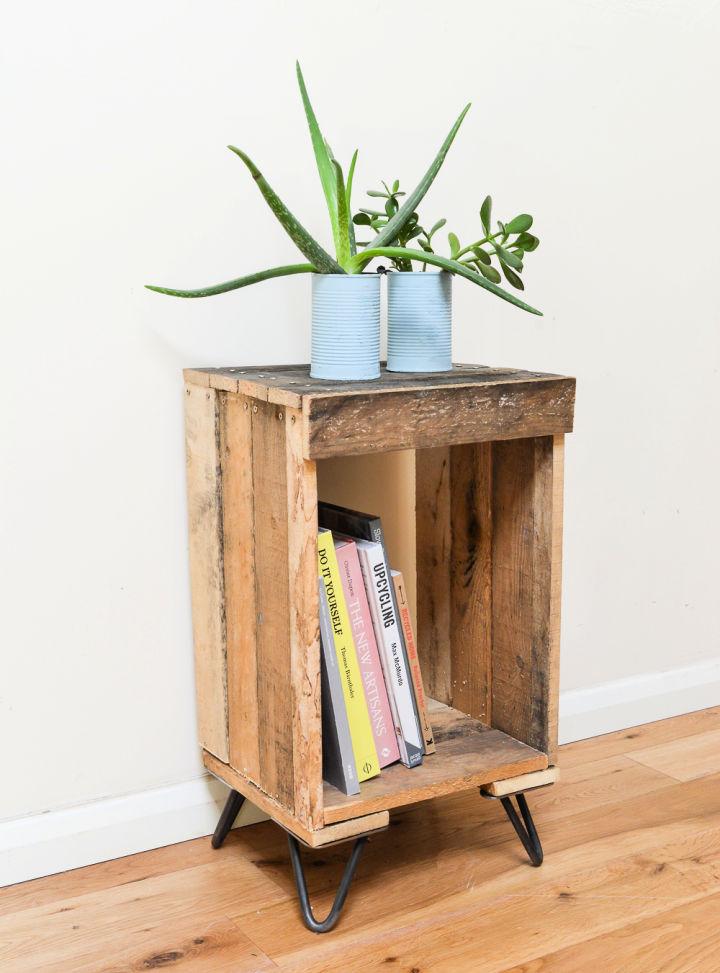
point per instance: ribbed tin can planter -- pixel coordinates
(419, 321)
(345, 327)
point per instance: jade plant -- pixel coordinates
(392, 240)
(477, 255)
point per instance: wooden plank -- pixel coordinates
(471, 579)
(363, 422)
(556, 548)
(468, 755)
(350, 827)
(204, 488)
(272, 594)
(525, 782)
(239, 562)
(432, 545)
(685, 759)
(304, 626)
(525, 649)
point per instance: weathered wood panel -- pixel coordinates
(471, 578)
(236, 450)
(433, 545)
(303, 619)
(468, 755)
(275, 697)
(524, 609)
(365, 422)
(204, 489)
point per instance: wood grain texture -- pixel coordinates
(631, 881)
(205, 518)
(468, 754)
(236, 452)
(525, 782)
(525, 645)
(352, 825)
(684, 759)
(304, 627)
(471, 579)
(272, 601)
(433, 545)
(363, 422)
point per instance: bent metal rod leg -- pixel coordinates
(227, 818)
(526, 833)
(306, 909)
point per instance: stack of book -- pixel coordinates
(373, 703)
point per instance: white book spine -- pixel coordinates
(387, 632)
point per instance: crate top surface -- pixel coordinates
(406, 410)
(291, 384)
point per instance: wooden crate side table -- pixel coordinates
(489, 476)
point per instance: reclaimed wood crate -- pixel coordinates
(488, 495)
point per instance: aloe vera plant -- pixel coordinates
(391, 239)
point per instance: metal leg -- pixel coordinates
(527, 834)
(305, 908)
(227, 818)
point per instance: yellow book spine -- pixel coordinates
(363, 743)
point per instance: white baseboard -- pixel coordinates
(42, 844)
(638, 699)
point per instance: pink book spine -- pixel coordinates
(367, 652)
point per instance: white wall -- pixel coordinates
(598, 116)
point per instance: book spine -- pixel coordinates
(338, 757)
(387, 630)
(366, 758)
(376, 693)
(411, 645)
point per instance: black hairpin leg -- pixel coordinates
(227, 818)
(305, 908)
(527, 834)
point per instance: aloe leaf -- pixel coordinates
(307, 245)
(389, 233)
(348, 195)
(233, 285)
(344, 224)
(323, 157)
(453, 266)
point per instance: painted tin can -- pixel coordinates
(345, 327)
(419, 321)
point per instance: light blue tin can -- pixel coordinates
(419, 321)
(345, 327)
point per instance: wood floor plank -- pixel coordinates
(682, 940)
(640, 737)
(133, 921)
(686, 759)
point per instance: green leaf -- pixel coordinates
(512, 278)
(405, 253)
(482, 256)
(323, 158)
(377, 193)
(233, 285)
(437, 226)
(307, 245)
(343, 249)
(390, 232)
(396, 185)
(361, 219)
(348, 193)
(519, 224)
(507, 257)
(454, 245)
(391, 207)
(486, 214)
(490, 272)
(528, 242)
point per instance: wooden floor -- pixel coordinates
(630, 884)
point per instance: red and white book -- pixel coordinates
(376, 694)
